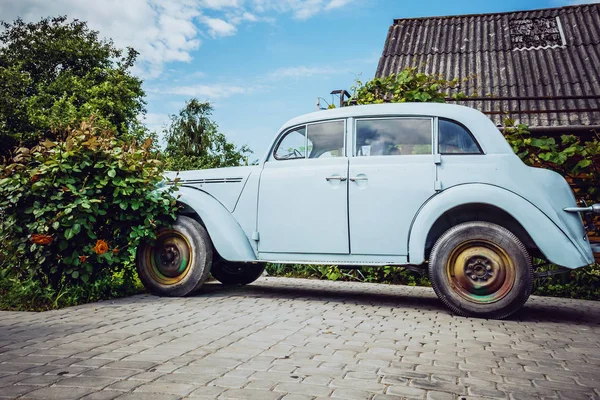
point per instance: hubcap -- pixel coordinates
(170, 258)
(480, 271)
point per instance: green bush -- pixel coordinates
(72, 212)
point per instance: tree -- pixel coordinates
(194, 141)
(55, 73)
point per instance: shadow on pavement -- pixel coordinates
(538, 309)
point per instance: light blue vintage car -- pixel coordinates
(425, 186)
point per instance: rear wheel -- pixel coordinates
(236, 273)
(481, 269)
(179, 260)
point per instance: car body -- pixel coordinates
(379, 185)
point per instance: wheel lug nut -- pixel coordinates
(473, 276)
(489, 268)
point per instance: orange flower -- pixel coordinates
(35, 178)
(65, 189)
(115, 250)
(82, 259)
(41, 238)
(101, 247)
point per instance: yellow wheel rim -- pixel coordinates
(480, 271)
(170, 259)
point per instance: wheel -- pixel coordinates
(178, 262)
(236, 273)
(480, 269)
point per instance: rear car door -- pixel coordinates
(391, 175)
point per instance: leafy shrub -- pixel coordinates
(74, 209)
(392, 275)
(406, 86)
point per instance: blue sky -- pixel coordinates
(260, 62)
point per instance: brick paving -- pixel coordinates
(293, 339)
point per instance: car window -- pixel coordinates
(326, 139)
(455, 139)
(393, 137)
(292, 145)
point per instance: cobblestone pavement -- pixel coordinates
(298, 339)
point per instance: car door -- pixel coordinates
(391, 175)
(303, 205)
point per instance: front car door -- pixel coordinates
(391, 175)
(302, 206)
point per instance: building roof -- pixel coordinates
(540, 66)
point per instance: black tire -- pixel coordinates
(236, 273)
(178, 262)
(480, 269)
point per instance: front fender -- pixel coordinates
(224, 231)
(548, 237)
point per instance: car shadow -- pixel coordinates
(537, 309)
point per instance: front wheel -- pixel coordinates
(179, 260)
(481, 269)
(236, 273)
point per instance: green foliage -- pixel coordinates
(54, 73)
(194, 141)
(406, 86)
(581, 283)
(74, 209)
(392, 275)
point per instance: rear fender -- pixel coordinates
(551, 240)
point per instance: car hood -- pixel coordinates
(224, 184)
(222, 174)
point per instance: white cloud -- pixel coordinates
(301, 9)
(336, 4)
(302, 72)
(164, 31)
(207, 91)
(217, 27)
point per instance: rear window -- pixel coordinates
(454, 138)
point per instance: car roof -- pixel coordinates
(421, 109)
(484, 130)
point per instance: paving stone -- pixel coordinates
(148, 396)
(85, 382)
(351, 394)
(405, 391)
(58, 393)
(102, 395)
(299, 388)
(249, 394)
(12, 392)
(180, 389)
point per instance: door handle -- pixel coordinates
(336, 178)
(358, 178)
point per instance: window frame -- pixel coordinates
(437, 147)
(394, 117)
(272, 156)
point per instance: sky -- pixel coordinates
(259, 62)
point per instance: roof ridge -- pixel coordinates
(571, 8)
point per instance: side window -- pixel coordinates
(393, 137)
(326, 139)
(456, 139)
(292, 145)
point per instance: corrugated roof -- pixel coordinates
(543, 66)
